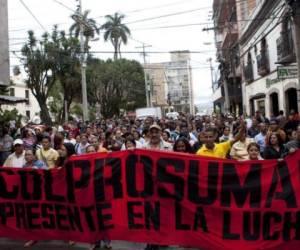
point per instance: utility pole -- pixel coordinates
(211, 73)
(4, 54)
(83, 66)
(147, 85)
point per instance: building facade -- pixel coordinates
(18, 88)
(268, 57)
(171, 83)
(4, 52)
(179, 82)
(157, 81)
(227, 89)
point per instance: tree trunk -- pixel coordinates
(116, 51)
(45, 115)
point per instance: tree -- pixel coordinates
(40, 67)
(90, 28)
(67, 69)
(116, 32)
(115, 85)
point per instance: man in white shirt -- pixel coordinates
(156, 142)
(16, 159)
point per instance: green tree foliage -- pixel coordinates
(67, 69)
(115, 85)
(40, 68)
(53, 61)
(6, 116)
(116, 32)
(89, 25)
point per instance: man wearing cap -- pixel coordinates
(16, 159)
(156, 142)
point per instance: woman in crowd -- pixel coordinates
(182, 145)
(239, 149)
(226, 136)
(130, 144)
(29, 139)
(275, 148)
(253, 150)
(32, 162)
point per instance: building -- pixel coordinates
(227, 89)
(180, 83)
(157, 79)
(4, 52)
(18, 90)
(172, 84)
(267, 54)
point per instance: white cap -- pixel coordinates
(18, 142)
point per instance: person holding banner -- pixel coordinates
(254, 152)
(218, 150)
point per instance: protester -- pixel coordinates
(16, 159)
(182, 145)
(6, 144)
(275, 148)
(294, 144)
(253, 150)
(156, 142)
(29, 139)
(130, 144)
(47, 154)
(239, 149)
(218, 150)
(274, 128)
(32, 162)
(89, 150)
(260, 139)
(226, 136)
(80, 147)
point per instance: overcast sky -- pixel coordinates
(147, 20)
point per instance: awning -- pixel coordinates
(5, 99)
(258, 96)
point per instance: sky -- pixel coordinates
(149, 22)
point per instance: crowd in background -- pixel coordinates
(226, 137)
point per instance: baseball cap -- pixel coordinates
(18, 142)
(155, 126)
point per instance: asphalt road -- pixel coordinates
(6, 244)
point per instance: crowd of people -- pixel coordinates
(225, 137)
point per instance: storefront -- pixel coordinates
(271, 94)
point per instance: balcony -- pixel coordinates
(248, 73)
(285, 48)
(263, 66)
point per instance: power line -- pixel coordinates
(163, 16)
(140, 52)
(65, 6)
(30, 12)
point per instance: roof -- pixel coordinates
(5, 99)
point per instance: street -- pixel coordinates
(6, 244)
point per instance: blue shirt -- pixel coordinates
(38, 164)
(260, 139)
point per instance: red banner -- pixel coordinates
(156, 197)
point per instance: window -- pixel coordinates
(27, 96)
(12, 92)
(28, 113)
